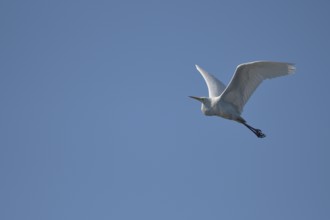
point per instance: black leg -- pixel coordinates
(257, 132)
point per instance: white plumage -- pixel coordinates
(228, 102)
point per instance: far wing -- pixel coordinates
(248, 77)
(214, 85)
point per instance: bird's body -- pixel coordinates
(218, 107)
(228, 102)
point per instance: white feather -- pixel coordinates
(248, 77)
(215, 86)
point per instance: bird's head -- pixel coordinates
(206, 104)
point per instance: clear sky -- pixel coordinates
(96, 123)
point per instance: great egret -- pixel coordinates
(228, 102)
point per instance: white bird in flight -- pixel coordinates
(228, 102)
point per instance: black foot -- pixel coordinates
(259, 133)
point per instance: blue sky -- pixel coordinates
(96, 122)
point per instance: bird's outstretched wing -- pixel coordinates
(214, 85)
(248, 77)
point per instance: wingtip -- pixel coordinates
(197, 67)
(291, 68)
